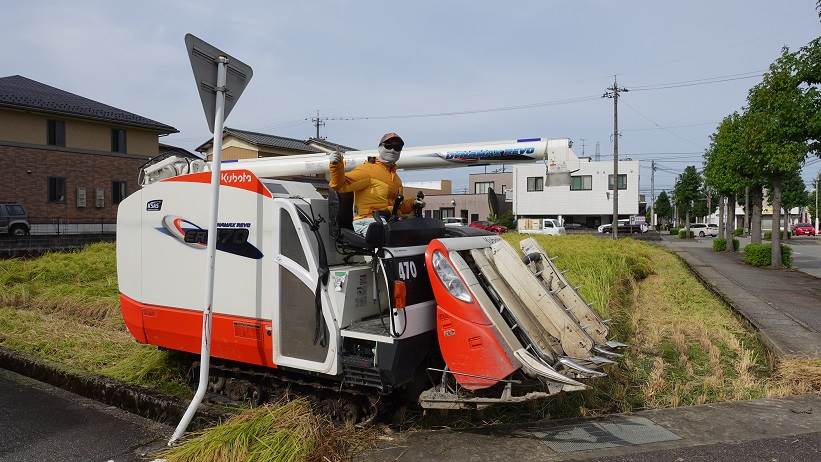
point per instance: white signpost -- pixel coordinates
(220, 81)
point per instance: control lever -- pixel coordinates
(397, 204)
(417, 209)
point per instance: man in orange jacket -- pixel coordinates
(375, 183)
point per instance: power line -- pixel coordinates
(669, 126)
(661, 127)
(701, 81)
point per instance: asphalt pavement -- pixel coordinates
(39, 422)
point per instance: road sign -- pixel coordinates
(204, 59)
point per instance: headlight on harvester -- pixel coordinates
(451, 280)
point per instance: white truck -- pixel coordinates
(550, 227)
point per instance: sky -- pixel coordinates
(383, 58)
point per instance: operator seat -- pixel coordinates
(392, 233)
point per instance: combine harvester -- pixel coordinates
(453, 317)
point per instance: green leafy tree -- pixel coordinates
(784, 123)
(663, 208)
(686, 191)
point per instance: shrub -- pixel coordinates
(768, 235)
(738, 232)
(761, 255)
(720, 244)
(674, 231)
(682, 232)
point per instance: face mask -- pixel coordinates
(389, 156)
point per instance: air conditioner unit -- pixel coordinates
(81, 197)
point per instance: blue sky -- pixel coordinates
(369, 58)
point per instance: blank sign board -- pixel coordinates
(204, 58)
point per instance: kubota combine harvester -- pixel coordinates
(453, 317)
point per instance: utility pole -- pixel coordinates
(653, 194)
(582, 140)
(817, 184)
(598, 154)
(613, 92)
(317, 122)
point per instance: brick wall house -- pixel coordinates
(68, 158)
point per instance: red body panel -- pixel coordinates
(234, 338)
(467, 338)
(242, 179)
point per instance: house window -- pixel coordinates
(535, 183)
(118, 142)
(481, 187)
(581, 183)
(428, 214)
(119, 191)
(56, 133)
(474, 217)
(448, 212)
(622, 182)
(56, 189)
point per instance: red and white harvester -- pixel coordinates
(451, 316)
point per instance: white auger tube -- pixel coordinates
(422, 157)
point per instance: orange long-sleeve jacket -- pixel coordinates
(375, 186)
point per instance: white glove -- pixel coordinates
(418, 204)
(336, 157)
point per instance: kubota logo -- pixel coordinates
(234, 177)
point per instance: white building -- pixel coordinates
(587, 199)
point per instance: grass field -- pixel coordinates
(687, 347)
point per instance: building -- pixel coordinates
(586, 199)
(66, 158)
(244, 144)
(470, 206)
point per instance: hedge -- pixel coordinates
(683, 231)
(768, 235)
(720, 244)
(738, 232)
(761, 255)
(674, 231)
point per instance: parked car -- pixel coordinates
(702, 230)
(14, 219)
(454, 221)
(488, 226)
(622, 222)
(550, 227)
(624, 228)
(803, 229)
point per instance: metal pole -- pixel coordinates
(653, 194)
(817, 183)
(615, 227)
(205, 354)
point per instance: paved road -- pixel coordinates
(41, 423)
(758, 430)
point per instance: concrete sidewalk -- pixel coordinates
(784, 305)
(764, 429)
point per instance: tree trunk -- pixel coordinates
(687, 223)
(730, 227)
(776, 233)
(756, 196)
(786, 223)
(720, 216)
(747, 209)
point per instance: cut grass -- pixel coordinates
(288, 431)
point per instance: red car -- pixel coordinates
(803, 229)
(488, 226)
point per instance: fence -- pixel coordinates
(47, 226)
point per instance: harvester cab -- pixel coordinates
(452, 316)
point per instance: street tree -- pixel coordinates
(687, 190)
(783, 123)
(663, 208)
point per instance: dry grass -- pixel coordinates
(288, 431)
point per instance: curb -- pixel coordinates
(166, 409)
(762, 335)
